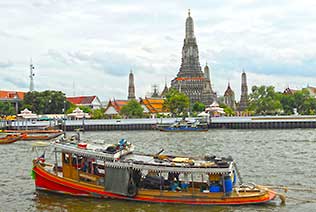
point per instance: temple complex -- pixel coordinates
(190, 79)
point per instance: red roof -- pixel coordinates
(312, 90)
(289, 91)
(189, 78)
(117, 104)
(81, 100)
(12, 95)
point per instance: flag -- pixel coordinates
(41, 158)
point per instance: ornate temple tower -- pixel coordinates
(244, 93)
(190, 79)
(229, 97)
(210, 95)
(131, 86)
(165, 91)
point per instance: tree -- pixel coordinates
(98, 113)
(46, 102)
(132, 109)
(198, 107)
(6, 108)
(228, 110)
(177, 103)
(264, 100)
(287, 102)
(72, 107)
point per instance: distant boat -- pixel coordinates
(11, 138)
(37, 136)
(184, 126)
(33, 131)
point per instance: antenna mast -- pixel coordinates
(31, 77)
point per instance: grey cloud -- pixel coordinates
(147, 49)
(7, 64)
(169, 38)
(18, 82)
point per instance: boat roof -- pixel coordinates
(138, 161)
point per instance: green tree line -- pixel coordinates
(264, 100)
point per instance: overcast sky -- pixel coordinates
(87, 47)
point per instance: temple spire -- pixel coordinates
(189, 27)
(131, 86)
(244, 92)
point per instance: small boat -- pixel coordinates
(115, 172)
(37, 136)
(34, 131)
(183, 126)
(182, 129)
(11, 138)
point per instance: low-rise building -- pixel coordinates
(312, 91)
(89, 101)
(114, 107)
(12, 96)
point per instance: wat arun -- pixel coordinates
(190, 79)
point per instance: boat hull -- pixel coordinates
(47, 181)
(187, 129)
(10, 139)
(41, 137)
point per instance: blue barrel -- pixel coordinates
(215, 188)
(228, 184)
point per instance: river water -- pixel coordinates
(269, 157)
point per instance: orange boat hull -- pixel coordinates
(40, 137)
(10, 139)
(49, 182)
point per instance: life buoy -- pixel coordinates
(132, 190)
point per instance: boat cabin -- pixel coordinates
(118, 170)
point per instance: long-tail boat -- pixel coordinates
(34, 131)
(114, 171)
(10, 138)
(37, 136)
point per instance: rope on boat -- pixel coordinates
(303, 200)
(281, 196)
(238, 173)
(285, 188)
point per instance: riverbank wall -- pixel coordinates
(249, 122)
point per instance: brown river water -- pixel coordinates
(268, 157)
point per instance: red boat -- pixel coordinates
(34, 131)
(36, 136)
(115, 172)
(11, 138)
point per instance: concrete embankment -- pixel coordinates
(250, 122)
(264, 122)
